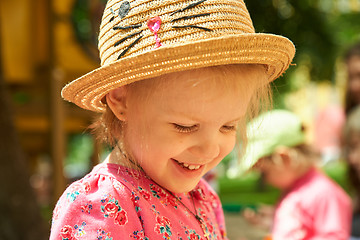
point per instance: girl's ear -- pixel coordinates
(286, 158)
(283, 156)
(116, 100)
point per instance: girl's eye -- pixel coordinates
(185, 129)
(228, 128)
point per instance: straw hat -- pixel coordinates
(141, 39)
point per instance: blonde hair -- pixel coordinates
(109, 128)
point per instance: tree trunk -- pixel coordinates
(20, 217)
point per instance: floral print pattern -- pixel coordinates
(114, 202)
(112, 209)
(72, 233)
(87, 208)
(103, 235)
(163, 226)
(139, 235)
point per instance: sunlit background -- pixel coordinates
(45, 44)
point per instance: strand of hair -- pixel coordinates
(194, 26)
(188, 7)
(190, 17)
(130, 46)
(125, 38)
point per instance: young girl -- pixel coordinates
(177, 83)
(352, 156)
(312, 206)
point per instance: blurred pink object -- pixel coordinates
(328, 126)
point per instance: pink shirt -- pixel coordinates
(314, 208)
(113, 202)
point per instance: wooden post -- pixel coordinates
(58, 135)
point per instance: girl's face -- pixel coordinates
(185, 127)
(353, 151)
(280, 175)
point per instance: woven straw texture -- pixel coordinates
(192, 34)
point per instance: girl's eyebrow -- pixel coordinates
(194, 119)
(235, 120)
(172, 114)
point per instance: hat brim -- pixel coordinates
(275, 52)
(269, 131)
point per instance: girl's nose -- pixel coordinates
(206, 149)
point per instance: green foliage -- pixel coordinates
(319, 30)
(247, 191)
(86, 16)
(347, 30)
(80, 150)
(303, 23)
(337, 171)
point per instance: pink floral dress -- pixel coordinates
(113, 202)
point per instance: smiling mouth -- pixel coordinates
(188, 166)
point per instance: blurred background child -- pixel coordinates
(311, 206)
(352, 157)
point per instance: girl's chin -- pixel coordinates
(179, 190)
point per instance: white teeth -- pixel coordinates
(191, 167)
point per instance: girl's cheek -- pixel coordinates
(230, 145)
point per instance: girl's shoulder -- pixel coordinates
(104, 197)
(106, 179)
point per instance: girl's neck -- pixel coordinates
(117, 157)
(298, 174)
